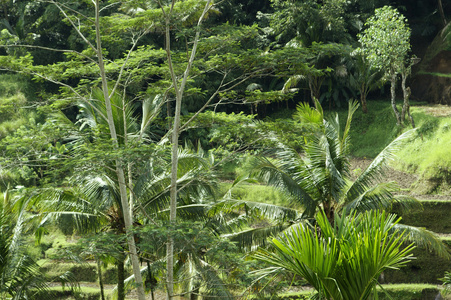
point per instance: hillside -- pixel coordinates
(427, 268)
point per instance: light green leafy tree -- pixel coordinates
(386, 44)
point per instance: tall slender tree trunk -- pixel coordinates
(174, 164)
(179, 90)
(393, 98)
(120, 264)
(151, 280)
(315, 87)
(128, 219)
(442, 13)
(99, 272)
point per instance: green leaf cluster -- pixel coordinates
(342, 260)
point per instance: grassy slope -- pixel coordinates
(428, 155)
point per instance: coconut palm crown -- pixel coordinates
(319, 178)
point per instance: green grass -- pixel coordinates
(257, 193)
(371, 132)
(396, 291)
(428, 155)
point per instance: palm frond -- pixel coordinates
(252, 238)
(376, 169)
(407, 203)
(308, 115)
(20, 277)
(213, 285)
(424, 238)
(284, 178)
(321, 255)
(269, 211)
(150, 110)
(291, 83)
(345, 140)
(379, 196)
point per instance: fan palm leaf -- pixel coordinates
(344, 260)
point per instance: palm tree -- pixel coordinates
(363, 77)
(92, 197)
(94, 204)
(343, 260)
(20, 277)
(319, 178)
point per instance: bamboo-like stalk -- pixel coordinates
(119, 169)
(179, 90)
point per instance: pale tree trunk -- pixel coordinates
(179, 90)
(406, 104)
(128, 221)
(174, 163)
(405, 97)
(393, 98)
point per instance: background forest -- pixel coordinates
(224, 149)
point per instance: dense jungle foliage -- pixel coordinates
(129, 127)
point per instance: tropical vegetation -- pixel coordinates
(131, 125)
(342, 260)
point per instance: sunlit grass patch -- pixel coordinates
(429, 154)
(257, 193)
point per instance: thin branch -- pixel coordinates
(75, 27)
(218, 91)
(128, 57)
(51, 49)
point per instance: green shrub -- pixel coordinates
(55, 293)
(11, 84)
(81, 272)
